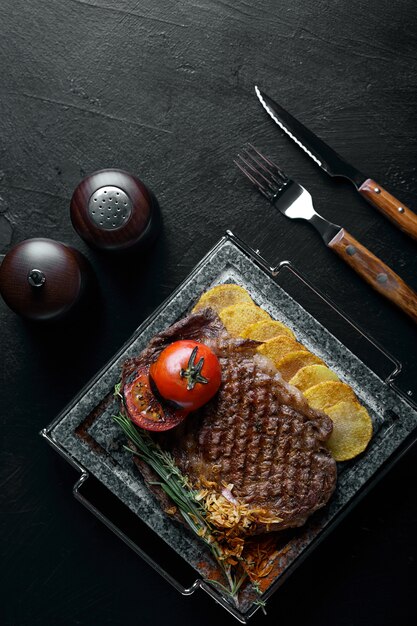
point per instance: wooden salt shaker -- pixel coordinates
(113, 210)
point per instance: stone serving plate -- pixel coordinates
(111, 487)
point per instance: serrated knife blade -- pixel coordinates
(327, 158)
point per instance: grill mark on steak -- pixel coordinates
(240, 467)
(269, 451)
(237, 417)
(257, 433)
(255, 440)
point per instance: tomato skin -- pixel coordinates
(169, 374)
(145, 410)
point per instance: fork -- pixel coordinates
(294, 201)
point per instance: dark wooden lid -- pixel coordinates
(108, 194)
(41, 278)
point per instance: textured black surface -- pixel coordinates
(165, 90)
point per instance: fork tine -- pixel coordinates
(262, 172)
(255, 171)
(281, 175)
(253, 180)
(265, 173)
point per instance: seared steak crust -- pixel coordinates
(258, 433)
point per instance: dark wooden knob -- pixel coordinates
(42, 279)
(113, 210)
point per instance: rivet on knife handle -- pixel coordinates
(389, 206)
(381, 277)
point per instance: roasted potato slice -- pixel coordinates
(289, 365)
(267, 329)
(222, 296)
(352, 429)
(278, 347)
(328, 393)
(312, 375)
(239, 316)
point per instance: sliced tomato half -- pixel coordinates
(144, 408)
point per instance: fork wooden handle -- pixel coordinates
(389, 206)
(381, 277)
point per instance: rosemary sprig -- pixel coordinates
(237, 583)
(173, 482)
(261, 603)
(178, 488)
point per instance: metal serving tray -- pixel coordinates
(111, 486)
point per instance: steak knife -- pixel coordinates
(295, 202)
(334, 165)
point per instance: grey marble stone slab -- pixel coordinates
(393, 418)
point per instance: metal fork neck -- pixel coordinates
(327, 229)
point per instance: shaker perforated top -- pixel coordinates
(109, 207)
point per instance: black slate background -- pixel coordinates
(165, 90)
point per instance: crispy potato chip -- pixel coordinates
(312, 375)
(352, 429)
(328, 393)
(289, 365)
(277, 348)
(267, 329)
(222, 296)
(238, 316)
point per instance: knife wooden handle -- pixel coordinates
(381, 277)
(389, 206)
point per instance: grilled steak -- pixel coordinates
(257, 433)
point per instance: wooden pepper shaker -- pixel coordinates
(43, 279)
